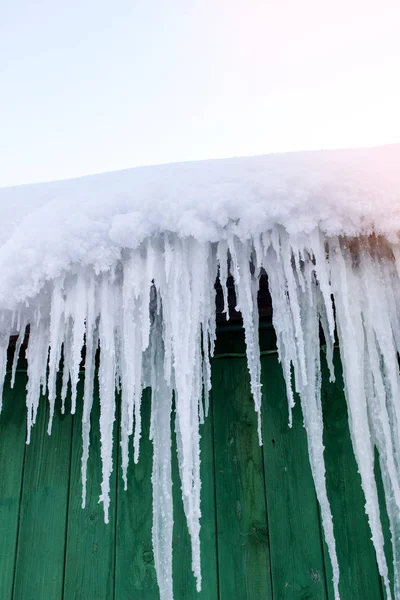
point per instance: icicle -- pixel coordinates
(183, 316)
(142, 295)
(222, 257)
(206, 372)
(4, 341)
(310, 396)
(76, 310)
(246, 286)
(108, 307)
(92, 341)
(281, 317)
(21, 328)
(67, 357)
(317, 248)
(37, 358)
(347, 293)
(288, 253)
(294, 296)
(57, 321)
(320, 257)
(161, 477)
(128, 357)
(329, 342)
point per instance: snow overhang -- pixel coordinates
(128, 262)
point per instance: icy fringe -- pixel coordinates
(153, 317)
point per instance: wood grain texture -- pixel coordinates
(184, 582)
(297, 559)
(243, 542)
(385, 526)
(359, 578)
(135, 575)
(261, 532)
(39, 570)
(90, 549)
(12, 452)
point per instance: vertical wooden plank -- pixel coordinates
(135, 575)
(359, 576)
(385, 526)
(184, 581)
(135, 572)
(41, 542)
(12, 451)
(297, 560)
(243, 545)
(89, 562)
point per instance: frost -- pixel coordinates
(126, 292)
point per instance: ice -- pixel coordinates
(92, 341)
(310, 395)
(153, 317)
(4, 342)
(56, 341)
(75, 310)
(281, 316)
(114, 276)
(294, 292)
(161, 477)
(246, 287)
(222, 257)
(37, 358)
(184, 289)
(21, 329)
(349, 297)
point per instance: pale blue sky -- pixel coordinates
(92, 86)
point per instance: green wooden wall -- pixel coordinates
(261, 533)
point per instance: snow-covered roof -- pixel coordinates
(48, 228)
(128, 261)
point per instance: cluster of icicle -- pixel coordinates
(154, 318)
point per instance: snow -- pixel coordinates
(126, 262)
(47, 229)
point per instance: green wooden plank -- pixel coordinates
(135, 575)
(385, 526)
(297, 560)
(243, 546)
(89, 562)
(359, 576)
(12, 451)
(41, 542)
(184, 581)
(242, 499)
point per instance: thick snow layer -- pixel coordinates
(128, 261)
(48, 228)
